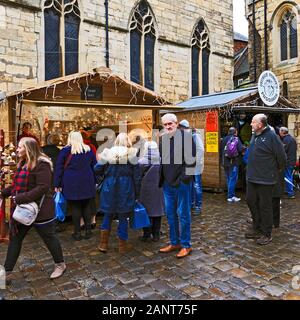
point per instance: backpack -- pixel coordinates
(231, 148)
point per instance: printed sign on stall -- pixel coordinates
(212, 132)
(212, 141)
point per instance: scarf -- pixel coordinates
(19, 185)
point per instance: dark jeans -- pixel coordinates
(259, 200)
(46, 232)
(81, 208)
(276, 212)
(154, 229)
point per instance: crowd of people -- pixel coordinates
(164, 176)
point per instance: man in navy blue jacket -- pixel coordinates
(178, 151)
(266, 158)
(290, 147)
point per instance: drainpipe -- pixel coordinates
(254, 39)
(266, 35)
(106, 33)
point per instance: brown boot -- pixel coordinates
(122, 246)
(104, 235)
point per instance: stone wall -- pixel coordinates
(22, 48)
(287, 70)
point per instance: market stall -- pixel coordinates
(213, 114)
(95, 100)
(91, 101)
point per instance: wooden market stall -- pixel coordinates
(213, 114)
(97, 99)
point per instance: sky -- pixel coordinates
(240, 23)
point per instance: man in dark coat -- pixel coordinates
(231, 165)
(290, 147)
(266, 159)
(178, 152)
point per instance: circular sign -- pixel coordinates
(268, 88)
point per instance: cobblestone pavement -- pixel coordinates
(223, 264)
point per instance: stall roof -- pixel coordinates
(241, 99)
(216, 99)
(117, 92)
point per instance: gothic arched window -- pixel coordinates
(142, 44)
(62, 21)
(200, 60)
(288, 36)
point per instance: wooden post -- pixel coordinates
(3, 233)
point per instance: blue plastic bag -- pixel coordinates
(140, 218)
(60, 206)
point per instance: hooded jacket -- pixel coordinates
(151, 196)
(120, 186)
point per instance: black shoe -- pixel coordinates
(88, 234)
(155, 238)
(253, 234)
(264, 240)
(145, 239)
(93, 225)
(82, 227)
(76, 236)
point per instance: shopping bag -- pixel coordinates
(140, 218)
(60, 206)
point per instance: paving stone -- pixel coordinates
(274, 290)
(94, 291)
(144, 292)
(160, 285)
(126, 278)
(223, 265)
(255, 293)
(120, 292)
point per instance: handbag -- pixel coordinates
(140, 218)
(26, 213)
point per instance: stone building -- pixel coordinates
(276, 26)
(177, 48)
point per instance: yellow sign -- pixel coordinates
(212, 142)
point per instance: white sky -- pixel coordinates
(240, 23)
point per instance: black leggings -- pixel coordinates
(81, 208)
(46, 232)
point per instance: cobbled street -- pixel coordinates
(223, 264)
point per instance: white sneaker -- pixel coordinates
(235, 199)
(230, 200)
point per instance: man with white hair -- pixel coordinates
(290, 147)
(178, 152)
(265, 160)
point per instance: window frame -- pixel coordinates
(63, 9)
(137, 23)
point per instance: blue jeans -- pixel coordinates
(122, 226)
(178, 211)
(232, 174)
(288, 174)
(196, 191)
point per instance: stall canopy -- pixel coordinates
(100, 87)
(246, 99)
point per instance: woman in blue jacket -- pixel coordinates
(74, 176)
(119, 190)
